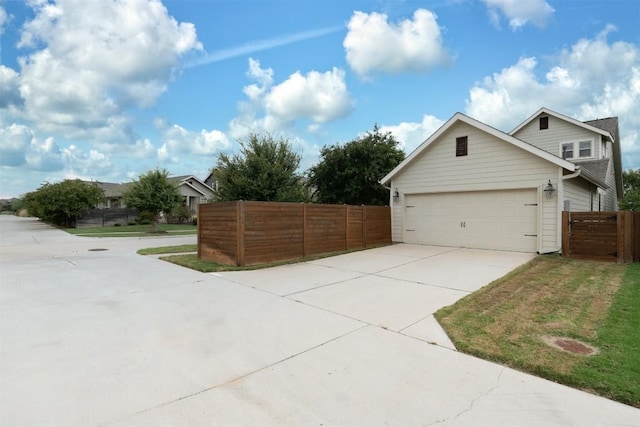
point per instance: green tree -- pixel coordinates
(153, 194)
(265, 169)
(631, 199)
(64, 202)
(351, 173)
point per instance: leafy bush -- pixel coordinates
(180, 215)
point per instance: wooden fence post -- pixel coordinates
(636, 236)
(304, 230)
(346, 227)
(240, 214)
(566, 226)
(623, 231)
(198, 231)
(364, 226)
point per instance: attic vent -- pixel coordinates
(544, 123)
(461, 146)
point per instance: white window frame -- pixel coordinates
(576, 149)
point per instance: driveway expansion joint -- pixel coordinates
(473, 402)
(239, 378)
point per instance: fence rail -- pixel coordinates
(601, 236)
(247, 233)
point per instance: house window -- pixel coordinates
(544, 123)
(461, 146)
(577, 149)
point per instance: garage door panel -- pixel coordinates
(504, 220)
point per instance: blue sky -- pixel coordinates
(108, 89)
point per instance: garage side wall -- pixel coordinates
(490, 164)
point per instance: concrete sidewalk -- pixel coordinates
(114, 338)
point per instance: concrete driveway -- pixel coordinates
(112, 338)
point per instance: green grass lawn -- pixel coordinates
(596, 303)
(133, 230)
(177, 249)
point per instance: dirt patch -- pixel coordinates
(571, 345)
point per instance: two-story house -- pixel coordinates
(471, 185)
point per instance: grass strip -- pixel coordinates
(551, 296)
(134, 230)
(177, 249)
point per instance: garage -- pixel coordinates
(501, 220)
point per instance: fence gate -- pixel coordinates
(601, 236)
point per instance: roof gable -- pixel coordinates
(459, 117)
(584, 125)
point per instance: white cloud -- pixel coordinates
(14, 142)
(591, 79)
(412, 134)
(44, 156)
(520, 12)
(321, 97)
(10, 88)
(315, 96)
(80, 163)
(93, 60)
(413, 45)
(22, 149)
(180, 141)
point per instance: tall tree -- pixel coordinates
(265, 169)
(631, 199)
(63, 202)
(350, 173)
(153, 194)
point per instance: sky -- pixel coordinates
(105, 90)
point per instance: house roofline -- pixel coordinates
(459, 117)
(591, 178)
(571, 120)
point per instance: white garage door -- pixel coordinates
(503, 220)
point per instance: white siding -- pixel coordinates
(491, 164)
(396, 218)
(580, 193)
(559, 131)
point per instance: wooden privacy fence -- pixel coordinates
(601, 236)
(246, 233)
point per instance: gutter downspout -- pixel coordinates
(559, 219)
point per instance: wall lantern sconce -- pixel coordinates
(396, 195)
(549, 190)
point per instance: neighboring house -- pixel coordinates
(471, 185)
(193, 190)
(113, 194)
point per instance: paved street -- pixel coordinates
(92, 334)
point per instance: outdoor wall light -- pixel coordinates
(549, 190)
(396, 195)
